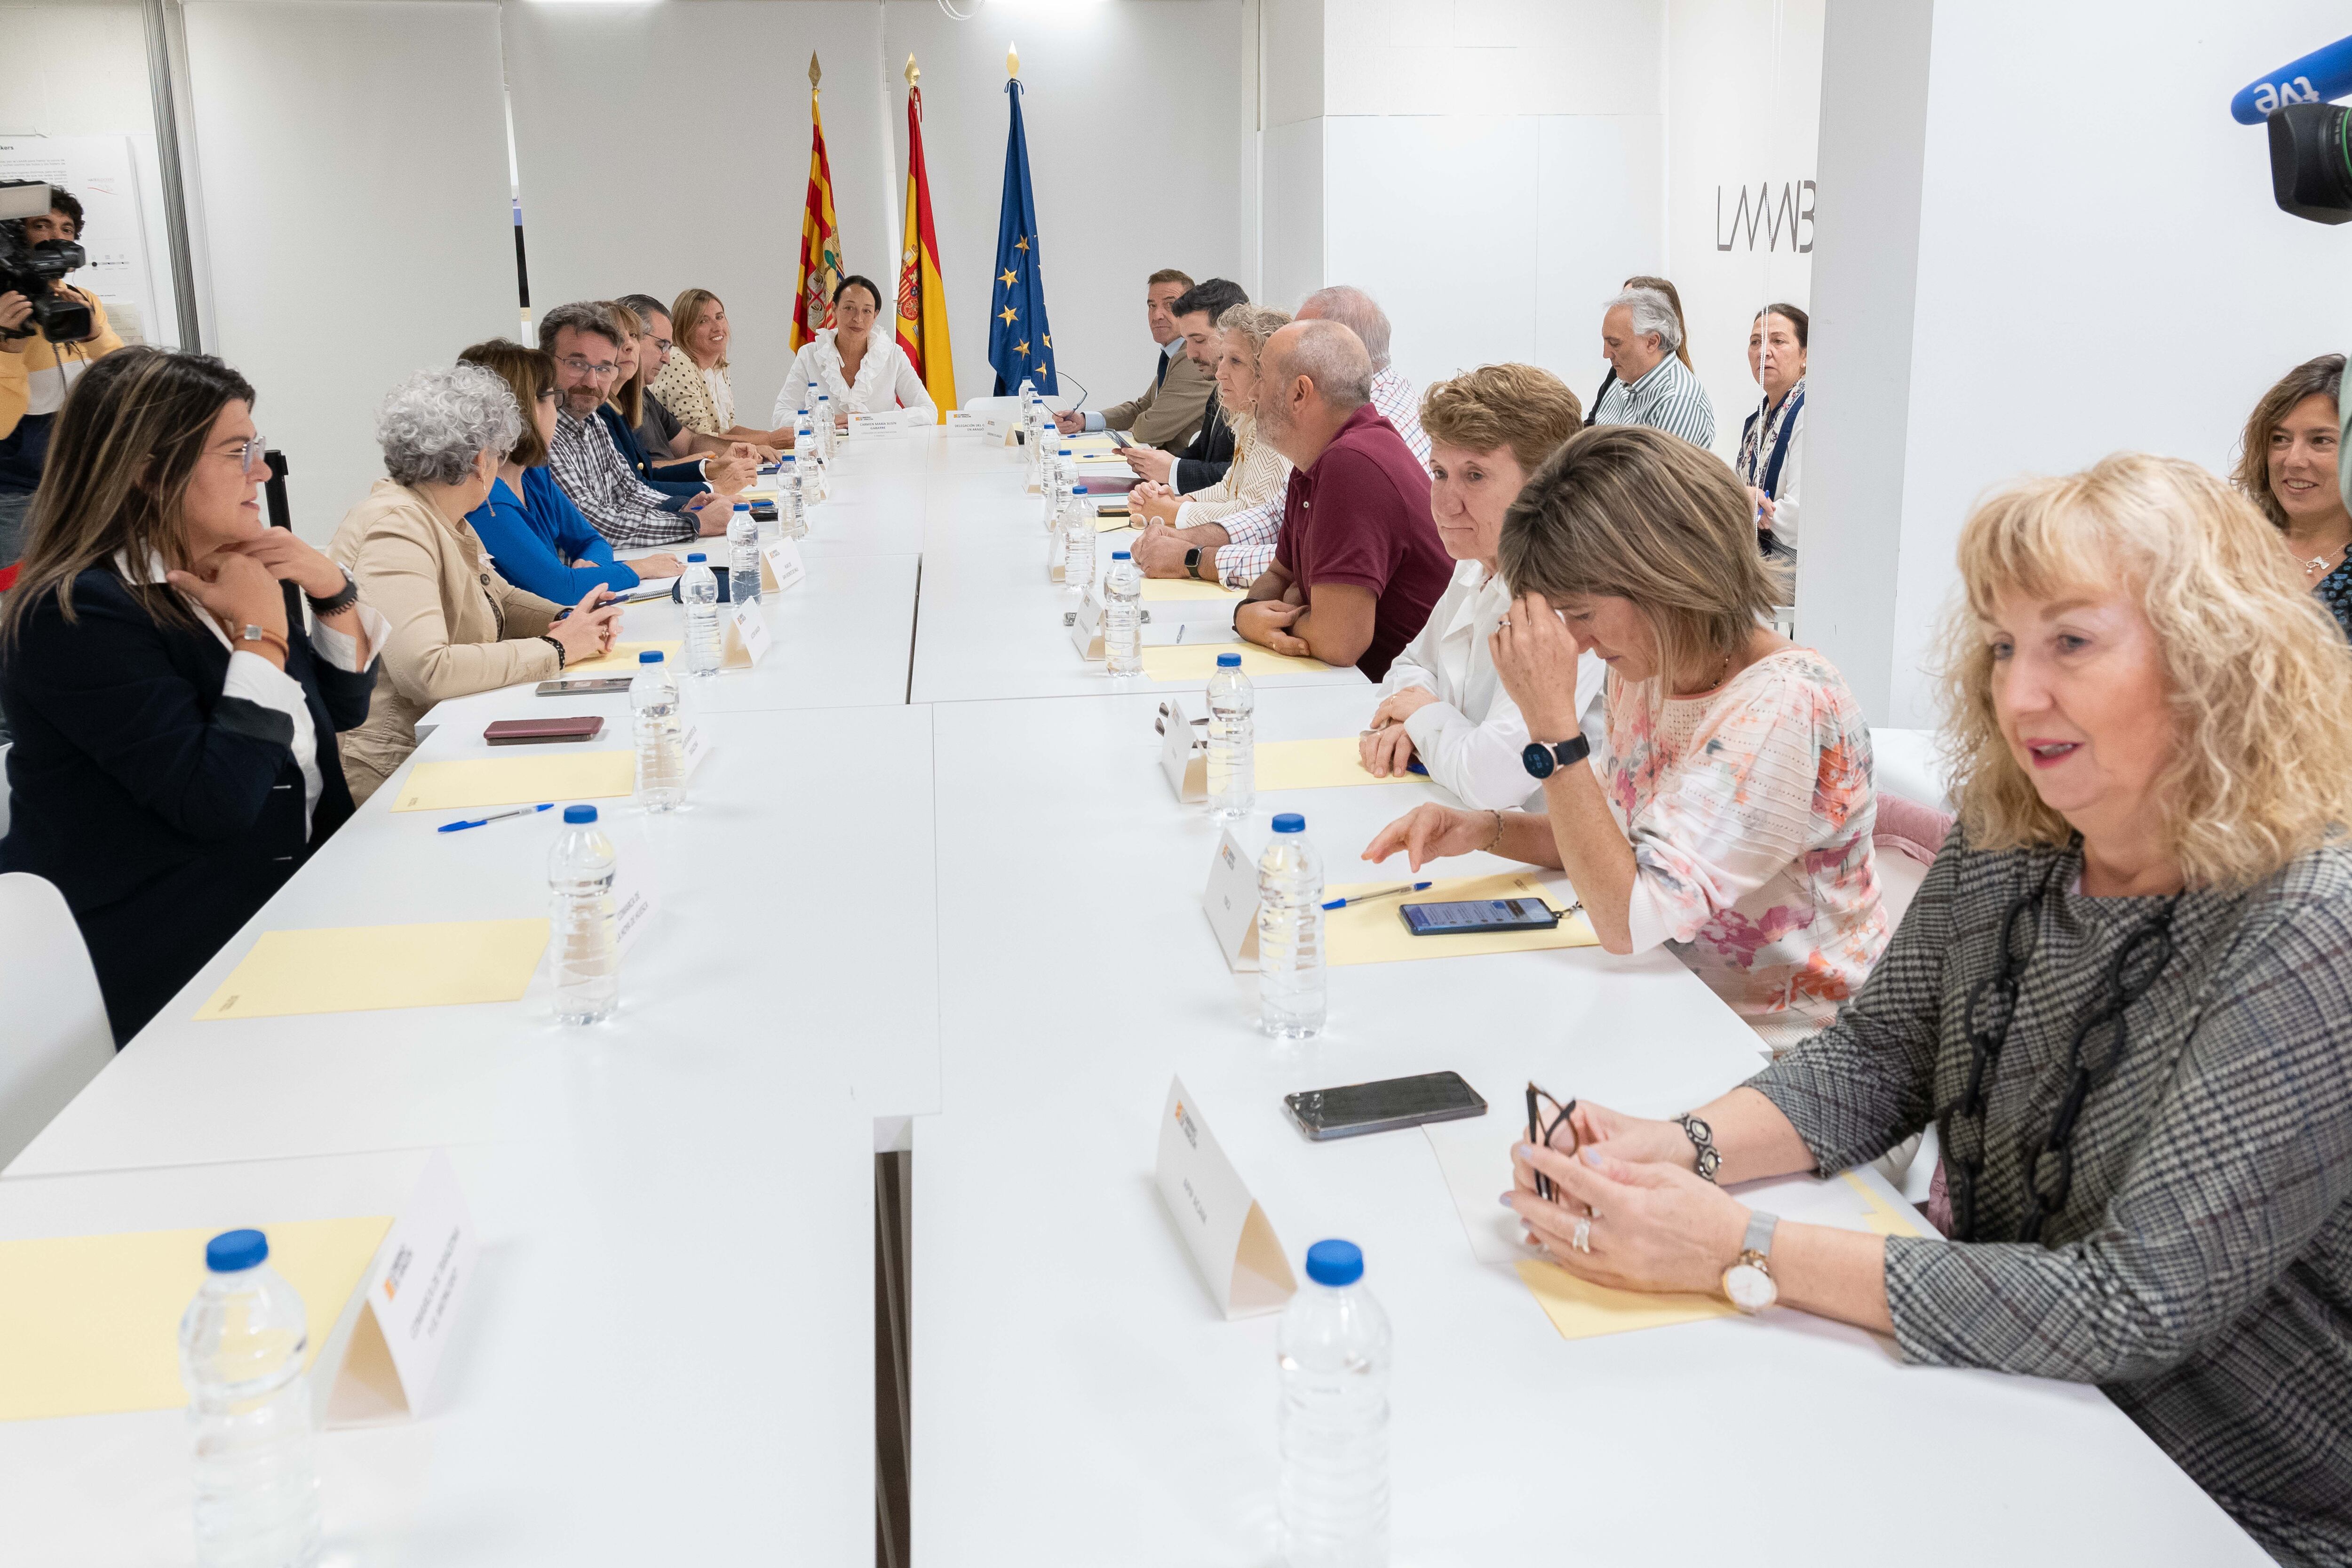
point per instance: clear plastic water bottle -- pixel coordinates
(580, 879)
(699, 589)
(1078, 543)
(1232, 744)
(803, 434)
(241, 1345)
(661, 762)
(1122, 621)
(1334, 1350)
(1055, 485)
(792, 515)
(742, 555)
(826, 436)
(1290, 993)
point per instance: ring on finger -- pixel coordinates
(1583, 1239)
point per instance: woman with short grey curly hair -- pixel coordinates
(458, 626)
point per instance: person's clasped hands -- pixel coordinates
(588, 629)
(1386, 749)
(1267, 622)
(1627, 1209)
(1158, 552)
(711, 511)
(1154, 501)
(239, 583)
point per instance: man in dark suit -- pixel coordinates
(1204, 462)
(1168, 412)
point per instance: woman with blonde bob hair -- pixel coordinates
(2123, 995)
(1727, 813)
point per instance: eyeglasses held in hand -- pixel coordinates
(1540, 1128)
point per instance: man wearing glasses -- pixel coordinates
(627, 511)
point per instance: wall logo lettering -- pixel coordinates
(1771, 216)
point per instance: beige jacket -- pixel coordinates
(458, 626)
(1168, 415)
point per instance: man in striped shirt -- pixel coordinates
(1639, 335)
(629, 513)
(1393, 396)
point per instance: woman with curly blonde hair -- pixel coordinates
(2123, 994)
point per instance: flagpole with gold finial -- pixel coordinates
(1012, 62)
(813, 72)
(913, 72)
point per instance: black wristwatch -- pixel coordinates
(337, 603)
(1542, 760)
(1192, 563)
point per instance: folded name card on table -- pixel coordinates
(746, 631)
(388, 1351)
(1184, 752)
(1376, 933)
(622, 658)
(780, 566)
(358, 969)
(101, 1334)
(1198, 661)
(1335, 764)
(1230, 902)
(463, 782)
(1232, 1241)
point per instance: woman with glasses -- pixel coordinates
(860, 371)
(175, 716)
(695, 385)
(457, 625)
(2124, 996)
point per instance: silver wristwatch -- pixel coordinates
(1748, 1283)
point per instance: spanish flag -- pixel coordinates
(922, 297)
(820, 234)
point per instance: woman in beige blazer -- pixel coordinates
(457, 626)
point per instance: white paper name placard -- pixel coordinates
(637, 879)
(1086, 628)
(1231, 902)
(959, 423)
(747, 636)
(780, 566)
(409, 1310)
(1183, 752)
(1240, 1259)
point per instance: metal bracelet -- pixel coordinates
(1702, 1138)
(1499, 833)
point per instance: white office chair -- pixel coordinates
(53, 1031)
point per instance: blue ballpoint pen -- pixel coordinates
(1383, 893)
(497, 817)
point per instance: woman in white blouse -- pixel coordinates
(1224, 531)
(861, 372)
(1488, 430)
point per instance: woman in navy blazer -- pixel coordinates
(175, 725)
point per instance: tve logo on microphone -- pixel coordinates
(2317, 76)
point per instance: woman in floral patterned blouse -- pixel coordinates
(1728, 816)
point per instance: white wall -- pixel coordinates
(355, 197)
(1743, 108)
(2097, 270)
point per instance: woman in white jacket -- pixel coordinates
(861, 372)
(1441, 705)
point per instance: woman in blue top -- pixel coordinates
(539, 539)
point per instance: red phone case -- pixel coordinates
(535, 732)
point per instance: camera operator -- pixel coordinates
(36, 373)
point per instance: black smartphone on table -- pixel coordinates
(1359, 1108)
(1477, 915)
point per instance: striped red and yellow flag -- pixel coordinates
(821, 268)
(922, 297)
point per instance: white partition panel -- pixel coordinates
(356, 202)
(666, 147)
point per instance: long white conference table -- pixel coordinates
(933, 890)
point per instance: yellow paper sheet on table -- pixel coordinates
(1884, 1217)
(1334, 763)
(358, 969)
(1374, 933)
(623, 658)
(1158, 589)
(1198, 661)
(99, 1332)
(1580, 1310)
(463, 782)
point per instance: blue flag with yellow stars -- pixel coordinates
(1020, 343)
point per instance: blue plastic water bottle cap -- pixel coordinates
(1066, 451)
(579, 814)
(787, 457)
(1288, 821)
(1334, 1262)
(1122, 556)
(698, 555)
(742, 506)
(650, 655)
(1077, 489)
(232, 1250)
(1229, 661)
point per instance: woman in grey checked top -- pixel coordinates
(2124, 994)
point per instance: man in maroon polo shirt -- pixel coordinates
(1358, 562)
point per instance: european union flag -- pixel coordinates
(1020, 343)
